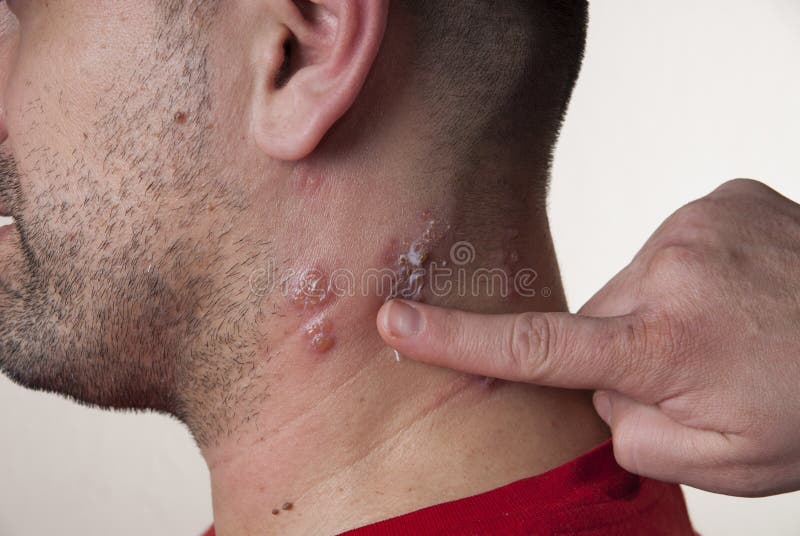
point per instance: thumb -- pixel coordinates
(554, 349)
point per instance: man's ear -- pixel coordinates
(310, 67)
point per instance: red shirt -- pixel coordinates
(591, 495)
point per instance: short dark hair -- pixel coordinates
(512, 59)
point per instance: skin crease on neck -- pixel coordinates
(341, 433)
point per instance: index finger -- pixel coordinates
(552, 349)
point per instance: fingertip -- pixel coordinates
(602, 404)
(399, 320)
(380, 320)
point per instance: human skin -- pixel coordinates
(694, 347)
(163, 184)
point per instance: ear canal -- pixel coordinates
(282, 76)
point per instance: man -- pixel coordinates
(212, 201)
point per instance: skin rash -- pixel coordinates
(401, 272)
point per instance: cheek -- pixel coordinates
(61, 92)
(43, 141)
(69, 64)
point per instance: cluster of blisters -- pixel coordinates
(308, 292)
(309, 289)
(409, 260)
(409, 266)
(320, 335)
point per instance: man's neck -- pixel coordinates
(347, 433)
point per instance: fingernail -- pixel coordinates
(602, 404)
(402, 320)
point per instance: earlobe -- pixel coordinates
(311, 69)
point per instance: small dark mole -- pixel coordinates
(287, 506)
(85, 136)
(180, 117)
(275, 511)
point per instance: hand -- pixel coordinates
(694, 347)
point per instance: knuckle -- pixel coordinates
(673, 262)
(636, 336)
(661, 336)
(693, 222)
(658, 350)
(529, 343)
(740, 186)
(660, 331)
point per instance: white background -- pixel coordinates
(676, 97)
